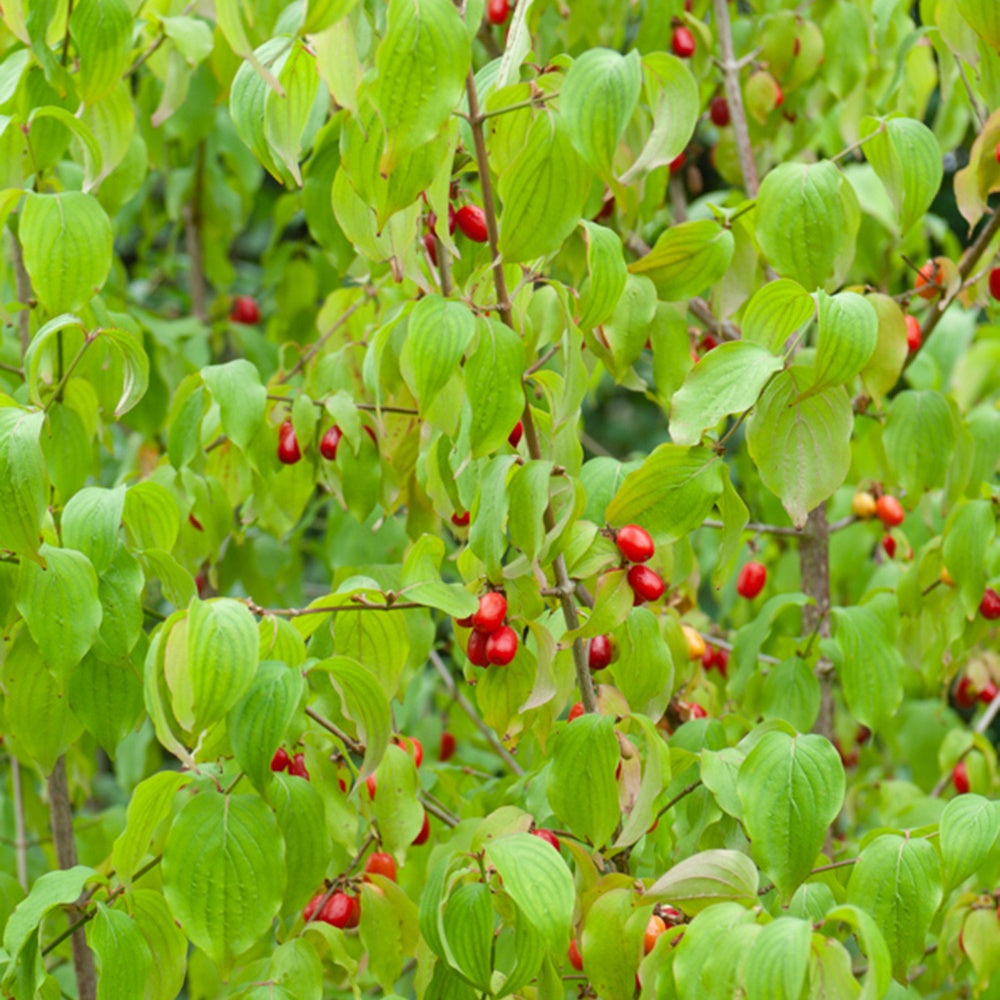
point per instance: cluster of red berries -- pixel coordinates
(289, 451)
(470, 220)
(340, 909)
(967, 694)
(491, 641)
(293, 765)
(660, 920)
(636, 546)
(715, 658)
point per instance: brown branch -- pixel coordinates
(683, 793)
(814, 568)
(352, 744)
(357, 604)
(25, 296)
(734, 98)
(310, 353)
(569, 611)
(756, 526)
(192, 237)
(436, 809)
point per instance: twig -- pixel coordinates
(192, 237)
(701, 309)
(466, 706)
(357, 604)
(20, 831)
(157, 42)
(353, 745)
(713, 640)
(734, 97)
(989, 715)
(310, 353)
(22, 284)
(857, 145)
(814, 570)
(684, 792)
(64, 377)
(756, 526)
(541, 362)
(436, 809)
(570, 616)
(980, 114)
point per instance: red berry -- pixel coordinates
(341, 911)
(460, 520)
(927, 283)
(889, 511)
(751, 580)
(476, 648)
(995, 282)
(635, 543)
(683, 42)
(575, 712)
(574, 956)
(989, 606)
(313, 905)
(425, 832)
(547, 835)
(501, 646)
(497, 11)
(465, 622)
(600, 652)
(654, 929)
(280, 760)
(965, 692)
(677, 162)
(329, 442)
(288, 444)
(430, 245)
(514, 438)
(960, 777)
(646, 585)
(889, 546)
(447, 749)
(715, 658)
(471, 219)
(381, 863)
(913, 335)
(372, 785)
(988, 693)
(298, 766)
(697, 712)
(245, 310)
(718, 111)
(412, 746)
(491, 613)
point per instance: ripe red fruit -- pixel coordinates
(447, 748)
(646, 585)
(677, 162)
(683, 42)
(600, 652)
(574, 956)
(476, 648)
(927, 281)
(412, 746)
(697, 712)
(989, 606)
(430, 245)
(575, 712)
(654, 929)
(328, 443)
(280, 760)
(497, 11)
(965, 692)
(995, 282)
(311, 907)
(960, 777)
(547, 835)
(913, 335)
(298, 766)
(751, 580)
(718, 111)
(889, 511)
(501, 646)
(372, 785)
(341, 911)
(491, 613)
(288, 444)
(245, 310)
(425, 832)
(716, 658)
(381, 863)
(471, 219)
(635, 543)
(460, 520)
(514, 438)
(988, 693)
(889, 546)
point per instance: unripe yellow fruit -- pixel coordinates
(863, 504)
(695, 643)
(946, 578)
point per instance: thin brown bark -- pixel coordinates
(814, 565)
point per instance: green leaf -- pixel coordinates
(608, 945)
(778, 961)
(644, 670)
(94, 157)
(672, 93)
(869, 663)
(589, 809)
(102, 33)
(791, 692)
(468, 932)
(606, 275)
(807, 223)
(487, 534)
(388, 929)
(253, 82)
(885, 365)
(422, 62)
(898, 881)
(242, 400)
(628, 328)
(135, 365)
(299, 808)
(321, 14)
(671, 493)
(709, 971)
(380, 641)
(597, 99)
(60, 606)
(151, 803)
(735, 516)
(286, 114)
(398, 813)
(919, 440)
(965, 544)
(775, 311)
(544, 191)
(123, 958)
(165, 941)
(528, 491)
(224, 872)
(802, 449)
(438, 334)
(66, 239)
(258, 721)
(537, 879)
(106, 696)
(421, 579)
(969, 829)
(879, 973)
(984, 19)
(90, 523)
(229, 17)
(493, 385)
(727, 380)
(152, 517)
(24, 484)
(750, 637)
(687, 259)
(792, 789)
(848, 334)
(708, 878)
(192, 38)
